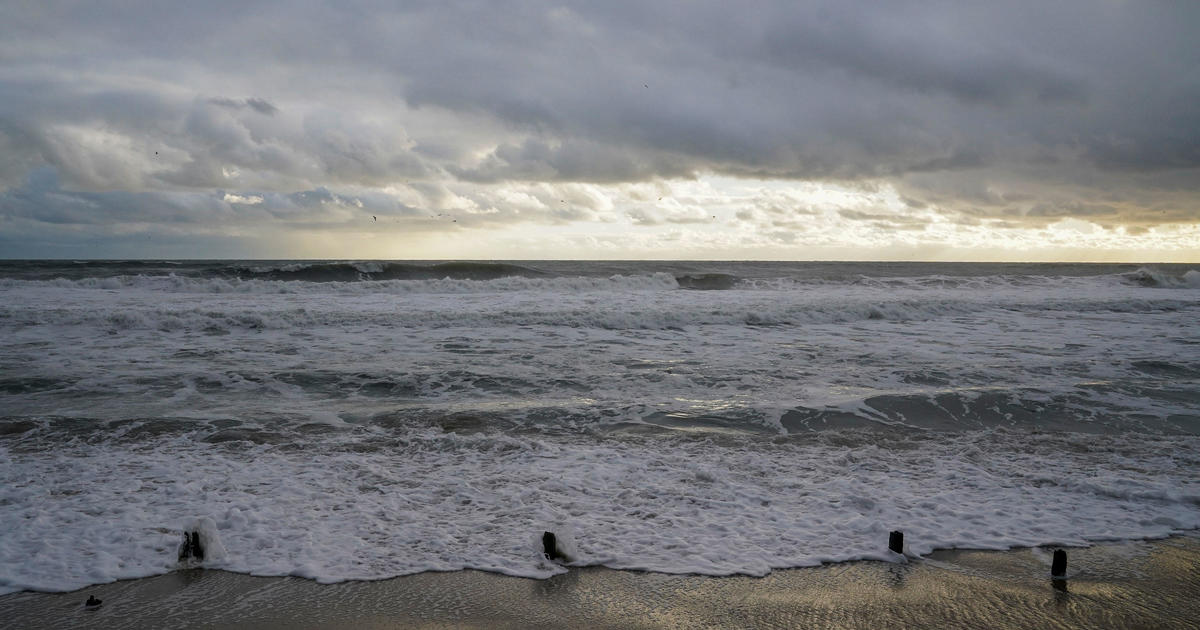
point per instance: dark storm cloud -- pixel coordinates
(838, 89)
(126, 138)
(1035, 195)
(1015, 111)
(259, 105)
(43, 199)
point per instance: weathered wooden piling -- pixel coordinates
(191, 547)
(896, 541)
(1059, 567)
(550, 546)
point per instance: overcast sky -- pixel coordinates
(1065, 130)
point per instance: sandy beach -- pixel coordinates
(1134, 584)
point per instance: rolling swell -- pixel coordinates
(365, 271)
(707, 281)
(233, 275)
(630, 311)
(231, 284)
(1098, 410)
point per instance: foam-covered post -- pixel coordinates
(550, 545)
(197, 548)
(1059, 568)
(896, 541)
(191, 547)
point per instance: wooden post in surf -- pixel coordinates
(1059, 568)
(550, 546)
(896, 541)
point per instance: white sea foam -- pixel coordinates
(430, 501)
(628, 353)
(358, 430)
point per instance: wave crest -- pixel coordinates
(377, 270)
(1147, 277)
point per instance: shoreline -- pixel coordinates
(1126, 584)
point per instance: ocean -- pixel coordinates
(362, 420)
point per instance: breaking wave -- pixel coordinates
(626, 314)
(277, 281)
(389, 278)
(1147, 277)
(376, 270)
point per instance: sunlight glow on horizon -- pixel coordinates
(720, 218)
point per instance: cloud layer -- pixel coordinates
(996, 116)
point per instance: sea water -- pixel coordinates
(362, 420)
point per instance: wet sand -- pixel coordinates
(1137, 584)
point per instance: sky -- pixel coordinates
(793, 130)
